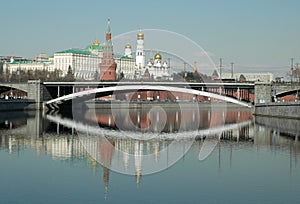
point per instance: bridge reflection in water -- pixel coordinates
(56, 135)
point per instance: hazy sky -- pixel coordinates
(258, 35)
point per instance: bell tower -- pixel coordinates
(140, 54)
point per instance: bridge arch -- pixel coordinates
(89, 94)
(289, 92)
(19, 86)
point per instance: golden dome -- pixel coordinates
(128, 46)
(157, 56)
(140, 35)
(96, 43)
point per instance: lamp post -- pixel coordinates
(169, 66)
(221, 59)
(184, 68)
(292, 68)
(232, 69)
(18, 72)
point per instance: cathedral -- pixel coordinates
(131, 68)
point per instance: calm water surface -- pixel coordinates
(44, 158)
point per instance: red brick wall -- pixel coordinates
(108, 68)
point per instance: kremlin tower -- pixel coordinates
(108, 65)
(195, 68)
(140, 53)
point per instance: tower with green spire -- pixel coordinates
(108, 33)
(108, 65)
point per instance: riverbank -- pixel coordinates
(281, 110)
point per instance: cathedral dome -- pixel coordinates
(140, 35)
(157, 56)
(96, 43)
(128, 46)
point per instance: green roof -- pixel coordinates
(126, 57)
(28, 62)
(75, 51)
(122, 56)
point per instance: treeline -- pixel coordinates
(24, 76)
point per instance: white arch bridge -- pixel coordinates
(106, 91)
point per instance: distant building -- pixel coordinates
(250, 77)
(15, 66)
(158, 69)
(215, 75)
(125, 63)
(83, 62)
(42, 57)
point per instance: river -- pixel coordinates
(149, 155)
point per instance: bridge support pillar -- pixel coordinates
(35, 93)
(58, 91)
(263, 92)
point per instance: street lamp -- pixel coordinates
(292, 68)
(18, 72)
(221, 59)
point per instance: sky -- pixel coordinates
(257, 35)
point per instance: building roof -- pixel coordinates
(126, 57)
(118, 56)
(94, 46)
(29, 62)
(75, 51)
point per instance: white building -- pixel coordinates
(126, 63)
(155, 68)
(251, 77)
(84, 63)
(26, 65)
(158, 69)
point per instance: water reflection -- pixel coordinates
(56, 135)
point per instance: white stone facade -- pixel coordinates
(26, 65)
(84, 65)
(140, 53)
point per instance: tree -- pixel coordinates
(70, 75)
(121, 75)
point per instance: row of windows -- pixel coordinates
(108, 73)
(70, 60)
(78, 65)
